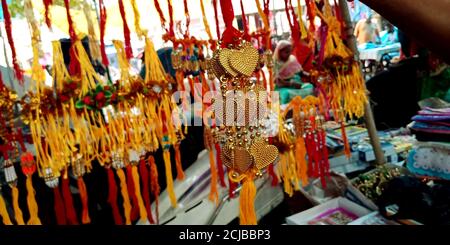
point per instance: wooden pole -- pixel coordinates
(368, 115)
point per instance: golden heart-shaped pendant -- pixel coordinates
(245, 60)
(242, 160)
(263, 154)
(224, 58)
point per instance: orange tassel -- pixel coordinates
(180, 172)
(84, 200)
(4, 212)
(137, 190)
(247, 214)
(17, 212)
(213, 194)
(125, 196)
(154, 185)
(169, 178)
(32, 204)
(300, 158)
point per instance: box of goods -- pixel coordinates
(338, 211)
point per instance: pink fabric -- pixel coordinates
(290, 68)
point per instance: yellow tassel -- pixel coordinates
(180, 172)
(88, 73)
(125, 196)
(32, 204)
(213, 194)
(93, 44)
(205, 21)
(17, 212)
(137, 20)
(37, 73)
(4, 212)
(169, 178)
(303, 32)
(124, 65)
(137, 187)
(247, 214)
(59, 71)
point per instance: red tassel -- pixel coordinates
(103, 17)
(112, 197)
(68, 203)
(60, 213)
(126, 31)
(8, 27)
(244, 23)
(85, 219)
(134, 201)
(146, 189)
(161, 14)
(171, 24)
(216, 18)
(220, 166)
(48, 21)
(74, 66)
(154, 185)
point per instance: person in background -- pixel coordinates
(366, 32)
(288, 73)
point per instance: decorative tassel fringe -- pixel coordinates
(32, 204)
(125, 196)
(154, 185)
(84, 200)
(112, 197)
(4, 212)
(60, 213)
(213, 194)
(68, 202)
(132, 194)
(180, 172)
(220, 166)
(300, 158)
(142, 210)
(247, 214)
(169, 178)
(17, 212)
(146, 189)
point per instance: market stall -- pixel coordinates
(183, 119)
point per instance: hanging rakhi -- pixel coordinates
(38, 75)
(8, 27)
(28, 166)
(245, 150)
(267, 56)
(347, 92)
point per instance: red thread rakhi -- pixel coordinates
(231, 35)
(47, 4)
(126, 31)
(103, 17)
(74, 66)
(8, 27)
